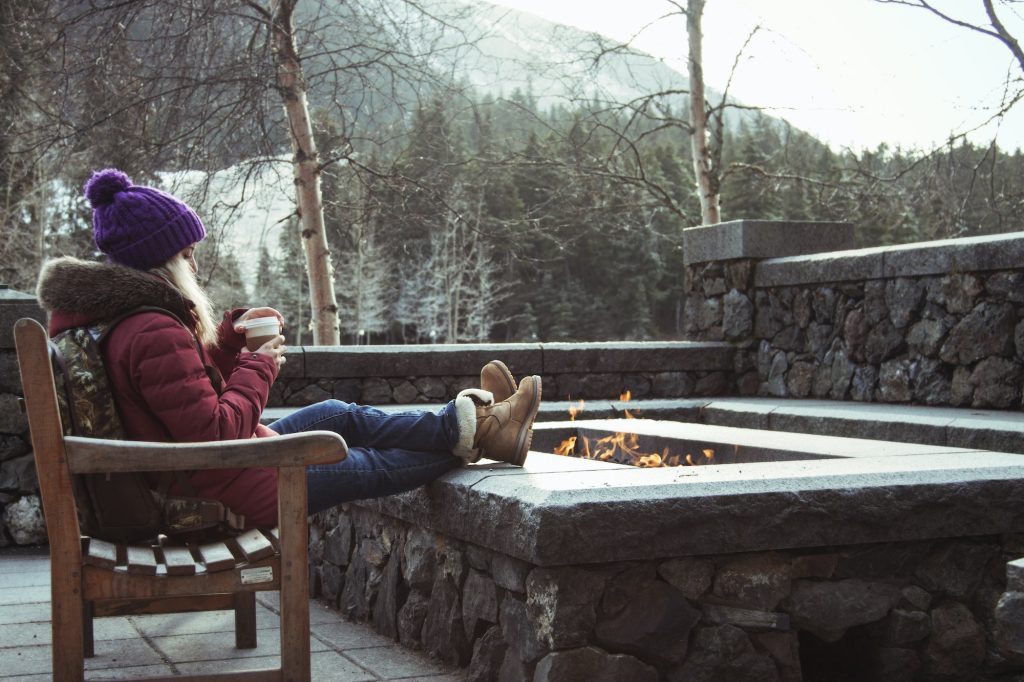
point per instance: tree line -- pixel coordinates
(452, 214)
(506, 221)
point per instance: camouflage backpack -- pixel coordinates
(121, 507)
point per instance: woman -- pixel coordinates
(180, 376)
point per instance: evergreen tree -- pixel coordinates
(264, 287)
(558, 312)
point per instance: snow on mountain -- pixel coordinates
(519, 50)
(246, 206)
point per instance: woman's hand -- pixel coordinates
(252, 313)
(274, 349)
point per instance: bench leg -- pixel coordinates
(67, 621)
(87, 634)
(245, 620)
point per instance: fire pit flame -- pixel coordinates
(625, 397)
(622, 446)
(567, 447)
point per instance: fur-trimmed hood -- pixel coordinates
(87, 290)
(163, 383)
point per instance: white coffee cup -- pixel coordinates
(259, 330)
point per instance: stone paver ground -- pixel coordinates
(179, 644)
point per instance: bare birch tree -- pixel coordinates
(192, 85)
(704, 162)
(636, 122)
(291, 84)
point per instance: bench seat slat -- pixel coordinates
(141, 560)
(178, 560)
(99, 553)
(215, 556)
(272, 534)
(254, 545)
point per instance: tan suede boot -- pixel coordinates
(496, 378)
(504, 430)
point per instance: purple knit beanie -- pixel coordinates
(137, 226)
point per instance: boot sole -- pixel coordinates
(526, 435)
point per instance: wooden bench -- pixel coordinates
(251, 553)
(93, 578)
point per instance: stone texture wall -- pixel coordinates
(438, 389)
(898, 611)
(21, 517)
(380, 375)
(931, 324)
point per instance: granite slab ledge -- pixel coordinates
(593, 513)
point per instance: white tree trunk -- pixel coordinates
(707, 180)
(306, 167)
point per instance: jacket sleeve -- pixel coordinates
(229, 343)
(169, 376)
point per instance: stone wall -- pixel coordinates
(938, 323)
(381, 375)
(20, 507)
(921, 610)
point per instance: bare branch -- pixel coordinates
(998, 30)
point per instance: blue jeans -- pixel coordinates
(387, 453)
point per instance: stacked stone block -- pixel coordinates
(940, 323)
(21, 516)
(379, 376)
(919, 610)
(412, 390)
(940, 340)
(435, 374)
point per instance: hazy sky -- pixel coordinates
(852, 72)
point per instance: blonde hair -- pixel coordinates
(178, 273)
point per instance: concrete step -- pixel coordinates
(1000, 431)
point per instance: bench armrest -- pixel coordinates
(100, 456)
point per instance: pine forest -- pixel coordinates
(453, 211)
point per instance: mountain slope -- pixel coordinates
(555, 62)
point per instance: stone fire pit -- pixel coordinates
(803, 557)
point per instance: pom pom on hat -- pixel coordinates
(104, 184)
(141, 227)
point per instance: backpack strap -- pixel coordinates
(188, 513)
(108, 326)
(57, 359)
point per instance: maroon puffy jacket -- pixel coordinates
(160, 382)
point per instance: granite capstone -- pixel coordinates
(763, 239)
(549, 517)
